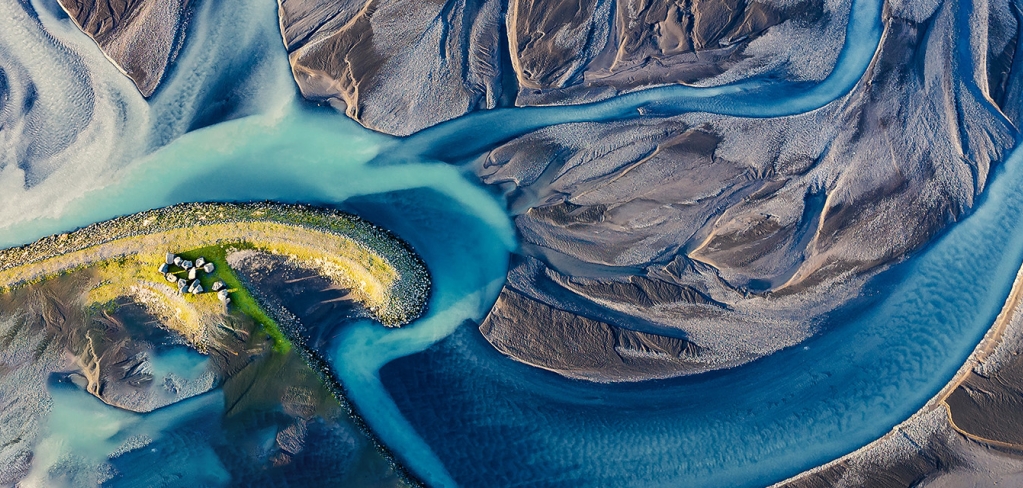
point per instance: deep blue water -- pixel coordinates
(491, 421)
(452, 409)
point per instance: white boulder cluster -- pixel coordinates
(191, 284)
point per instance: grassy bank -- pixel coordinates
(241, 299)
(382, 272)
(122, 256)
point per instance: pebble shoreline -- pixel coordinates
(408, 297)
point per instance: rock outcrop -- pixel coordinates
(55, 352)
(727, 238)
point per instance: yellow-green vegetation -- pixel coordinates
(241, 299)
(136, 277)
(380, 271)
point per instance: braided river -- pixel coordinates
(229, 125)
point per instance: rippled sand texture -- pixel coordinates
(731, 237)
(141, 38)
(968, 435)
(876, 134)
(650, 243)
(400, 66)
(72, 121)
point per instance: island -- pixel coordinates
(175, 307)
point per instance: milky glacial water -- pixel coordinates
(453, 410)
(752, 425)
(89, 430)
(181, 361)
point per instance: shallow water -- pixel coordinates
(181, 361)
(82, 432)
(451, 408)
(746, 426)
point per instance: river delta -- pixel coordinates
(774, 270)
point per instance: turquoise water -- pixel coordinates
(756, 97)
(82, 432)
(181, 361)
(868, 370)
(453, 410)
